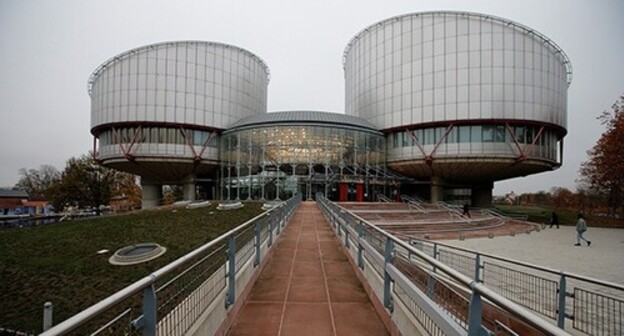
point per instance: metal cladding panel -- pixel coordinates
(195, 83)
(446, 66)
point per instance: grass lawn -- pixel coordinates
(59, 263)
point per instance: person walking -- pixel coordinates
(466, 210)
(554, 220)
(581, 227)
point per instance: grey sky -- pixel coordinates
(48, 49)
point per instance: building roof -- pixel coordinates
(10, 193)
(507, 23)
(10, 203)
(135, 51)
(306, 117)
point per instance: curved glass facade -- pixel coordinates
(482, 140)
(275, 161)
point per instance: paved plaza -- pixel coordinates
(554, 248)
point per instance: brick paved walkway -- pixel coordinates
(308, 287)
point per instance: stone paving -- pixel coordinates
(554, 248)
(308, 287)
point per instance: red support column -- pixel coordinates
(359, 189)
(343, 192)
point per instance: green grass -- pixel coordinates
(59, 263)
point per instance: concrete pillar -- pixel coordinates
(188, 188)
(152, 194)
(437, 189)
(482, 195)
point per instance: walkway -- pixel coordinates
(555, 248)
(308, 287)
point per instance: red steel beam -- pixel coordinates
(429, 158)
(188, 142)
(532, 145)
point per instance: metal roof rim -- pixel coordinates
(266, 118)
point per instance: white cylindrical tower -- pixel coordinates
(463, 97)
(157, 111)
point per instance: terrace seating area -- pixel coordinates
(439, 221)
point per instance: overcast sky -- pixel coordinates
(48, 49)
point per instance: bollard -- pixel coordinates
(47, 315)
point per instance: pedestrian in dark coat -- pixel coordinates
(554, 220)
(466, 210)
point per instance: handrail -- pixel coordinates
(519, 311)
(93, 311)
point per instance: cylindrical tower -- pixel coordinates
(464, 99)
(157, 111)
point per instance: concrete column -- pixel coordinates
(437, 189)
(188, 188)
(482, 195)
(152, 194)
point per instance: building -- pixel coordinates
(157, 111)
(12, 202)
(438, 104)
(38, 208)
(274, 155)
(464, 99)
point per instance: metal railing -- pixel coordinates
(173, 299)
(436, 297)
(589, 305)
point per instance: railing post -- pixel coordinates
(257, 230)
(47, 315)
(477, 271)
(388, 257)
(339, 223)
(275, 219)
(561, 310)
(282, 216)
(475, 311)
(231, 294)
(431, 281)
(360, 248)
(149, 311)
(268, 219)
(346, 236)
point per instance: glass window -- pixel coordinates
(406, 139)
(499, 134)
(451, 137)
(487, 133)
(464, 134)
(519, 131)
(475, 134)
(152, 135)
(429, 137)
(530, 131)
